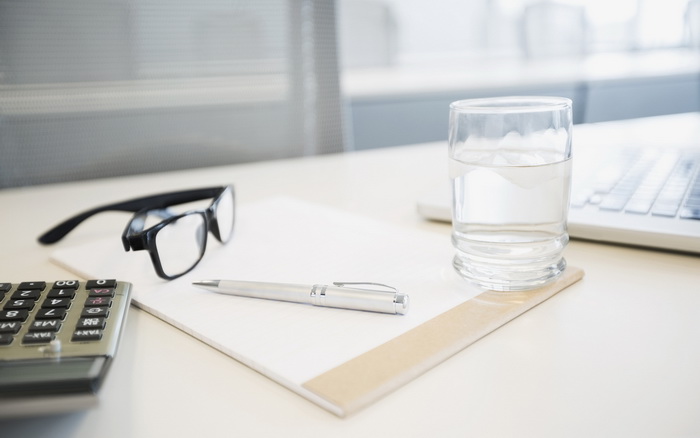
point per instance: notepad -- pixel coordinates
(340, 359)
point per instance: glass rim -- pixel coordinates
(511, 104)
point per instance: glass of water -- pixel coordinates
(510, 169)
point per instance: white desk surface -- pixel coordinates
(617, 354)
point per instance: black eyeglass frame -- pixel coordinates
(136, 238)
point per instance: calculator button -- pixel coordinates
(26, 293)
(38, 337)
(61, 293)
(38, 285)
(54, 313)
(97, 284)
(4, 287)
(14, 315)
(66, 284)
(56, 302)
(98, 302)
(45, 325)
(86, 335)
(10, 326)
(95, 311)
(91, 322)
(103, 292)
(19, 304)
(6, 339)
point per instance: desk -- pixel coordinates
(616, 354)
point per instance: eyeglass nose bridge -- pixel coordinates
(132, 237)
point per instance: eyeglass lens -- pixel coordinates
(181, 243)
(225, 215)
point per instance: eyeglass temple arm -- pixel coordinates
(155, 202)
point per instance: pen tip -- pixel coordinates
(206, 283)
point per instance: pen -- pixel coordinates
(338, 295)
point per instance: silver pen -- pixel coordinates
(338, 295)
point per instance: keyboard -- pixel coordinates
(645, 181)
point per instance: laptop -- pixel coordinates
(641, 193)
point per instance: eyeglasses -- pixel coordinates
(176, 243)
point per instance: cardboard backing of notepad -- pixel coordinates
(362, 380)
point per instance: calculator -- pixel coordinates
(57, 341)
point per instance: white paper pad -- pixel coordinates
(286, 240)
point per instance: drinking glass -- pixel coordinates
(510, 169)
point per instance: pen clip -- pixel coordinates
(365, 283)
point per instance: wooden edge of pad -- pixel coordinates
(358, 382)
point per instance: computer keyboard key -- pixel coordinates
(614, 203)
(638, 207)
(690, 213)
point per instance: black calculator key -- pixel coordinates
(53, 313)
(98, 302)
(4, 288)
(95, 311)
(97, 322)
(45, 325)
(61, 293)
(6, 339)
(38, 285)
(101, 292)
(97, 284)
(19, 304)
(20, 294)
(10, 326)
(38, 337)
(66, 284)
(86, 335)
(56, 302)
(13, 315)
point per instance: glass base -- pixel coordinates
(508, 278)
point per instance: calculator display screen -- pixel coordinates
(51, 376)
